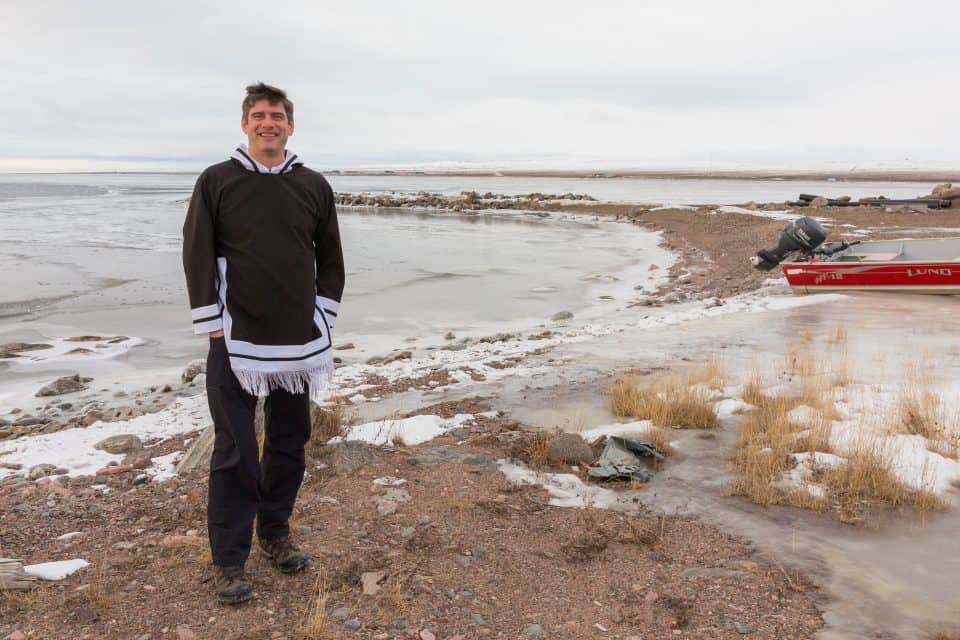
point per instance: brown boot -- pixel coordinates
(284, 555)
(231, 585)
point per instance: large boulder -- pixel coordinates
(60, 386)
(568, 448)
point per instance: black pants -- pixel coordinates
(242, 486)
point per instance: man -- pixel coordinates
(264, 268)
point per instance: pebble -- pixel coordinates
(304, 529)
(426, 634)
(478, 618)
(185, 633)
(407, 532)
(17, 635)
(533, 631)
(425, 520)
(743, 629)
(353, 624)
(340, 614)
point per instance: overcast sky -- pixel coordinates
(839, 83)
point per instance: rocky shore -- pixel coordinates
(466, 201)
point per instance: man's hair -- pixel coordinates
(261, 91)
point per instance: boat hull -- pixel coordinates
(939, 278)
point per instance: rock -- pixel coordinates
(200, 380)
(743, 629)
(174, 541)
(694, 573)
(11, 349)
(343, 458)
(125, 546)
(345, 347)
(447, 453)
(426, 634)
(353, 624)
(16, 634)
(393, 357)
(569, 448)
(340, 614)
(819, 202)
(407, 532)
(112, 471)
(185, 633)
(141, 479)
(66, 384)
(119, 444)
(195, 368)
(561, 315)
(371, 582)
(533, 631)
(41, 471)
(91, 417)
(29, 421)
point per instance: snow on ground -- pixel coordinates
(409, 431)
(72, 449)
(57, 570)
(566, 489)
(626, 429)
(785, 214)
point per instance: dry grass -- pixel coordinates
(394, 598)
(947, 634)
(681, 402)
(767, 438)
(837, 335)
(867, 480)
(536, 451)
(316, 625)
(922, 412)
(327, 422)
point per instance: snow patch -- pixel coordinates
(409, 431)
(57, 570)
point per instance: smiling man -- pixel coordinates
(264, 269)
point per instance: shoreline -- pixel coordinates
(875, 175)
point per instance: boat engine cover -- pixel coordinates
(803, 234)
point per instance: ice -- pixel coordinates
(409, 431)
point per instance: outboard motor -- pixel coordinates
(803, 234)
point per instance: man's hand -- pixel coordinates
(216, 334)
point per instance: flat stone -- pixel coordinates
(371, 580)
(533, 631)
(40, 471)
(694, 573)
(340, 614)
(343, 458)
(66, 384)
(448, 453)
(743, 629)
(120, 444)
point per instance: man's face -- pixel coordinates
(267, 128)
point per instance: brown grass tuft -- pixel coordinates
(316, 625)
(536, 450)
(670, 401)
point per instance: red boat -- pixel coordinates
(926, 265)
(929, 265)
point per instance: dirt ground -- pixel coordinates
(469, 555)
